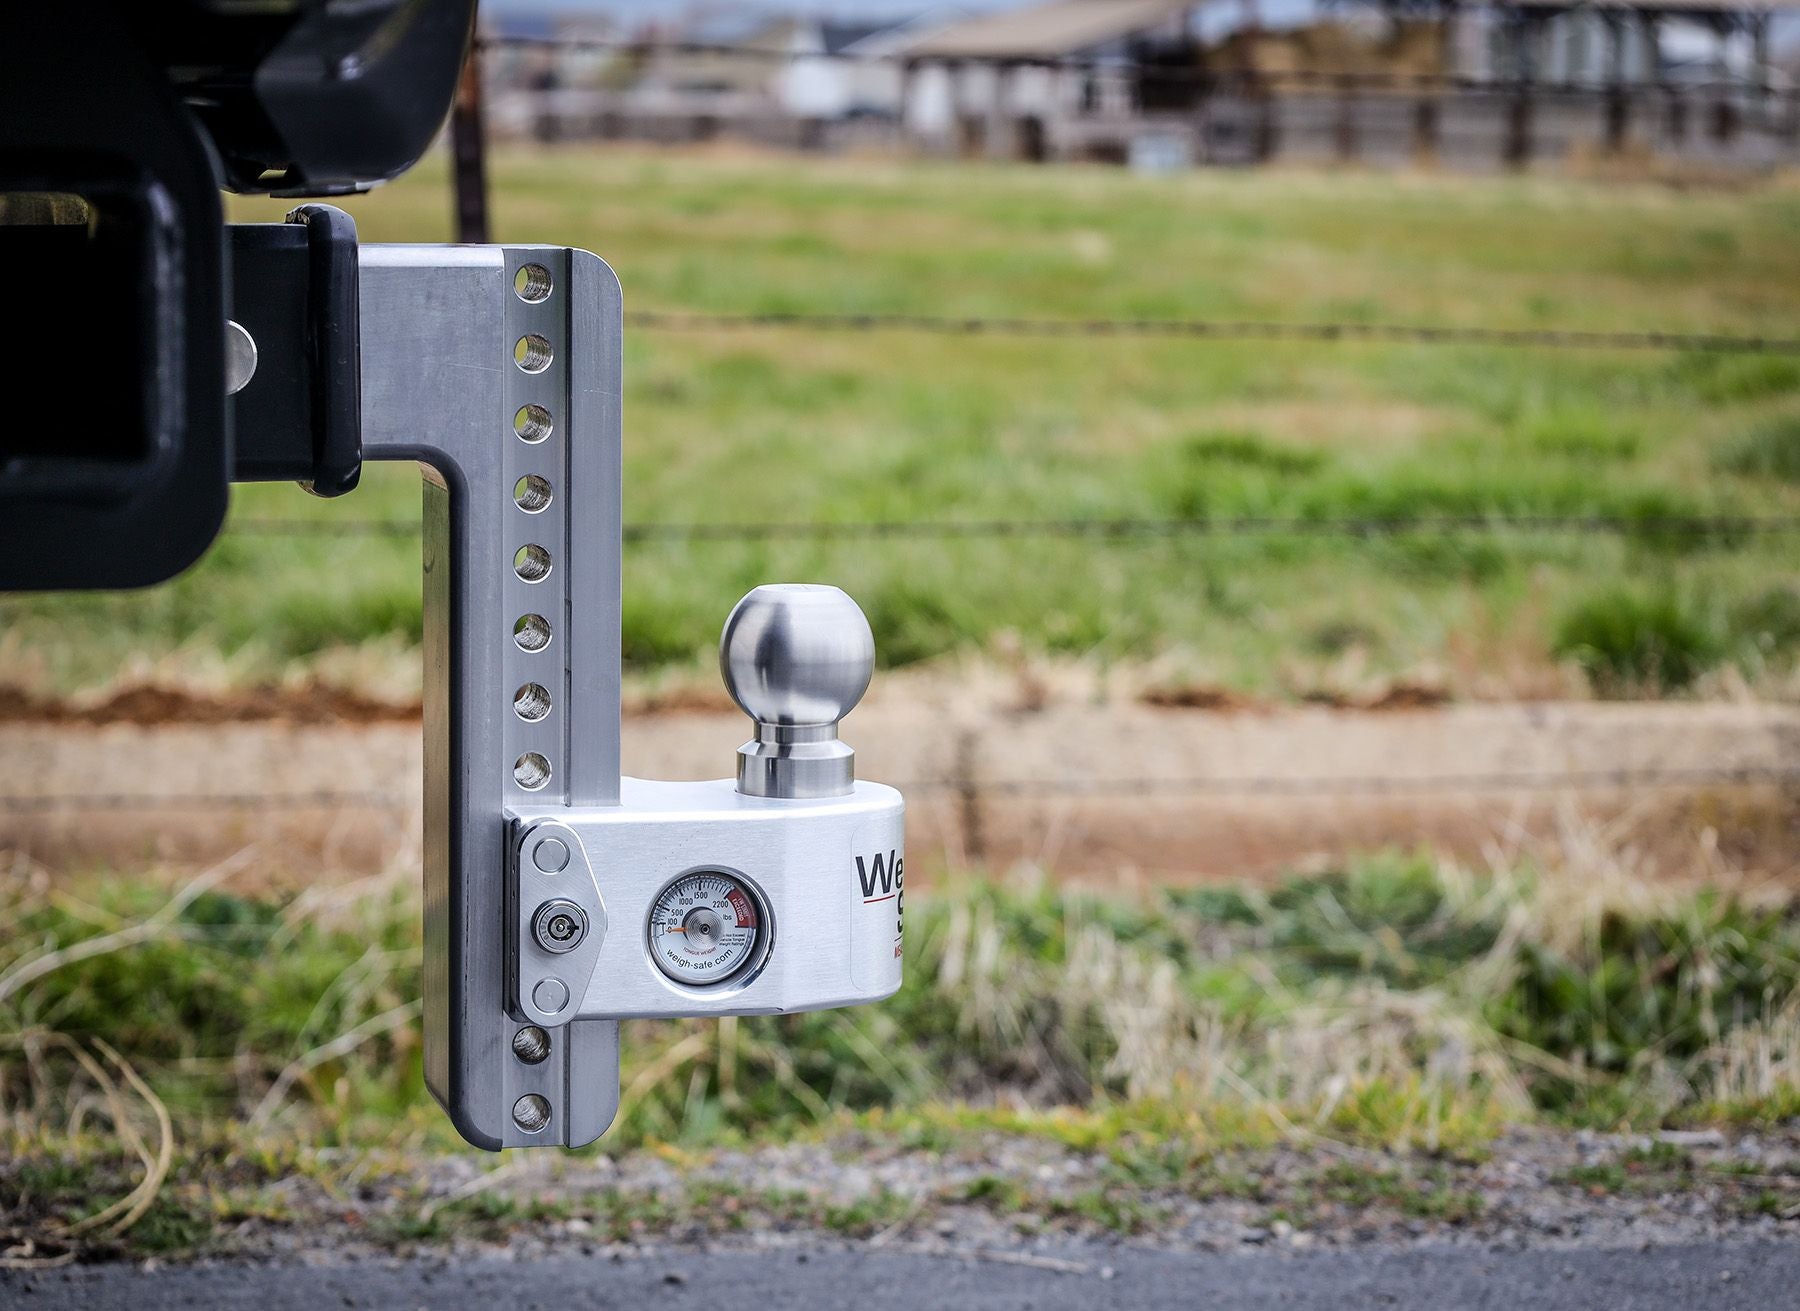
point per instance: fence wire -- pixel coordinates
(1244, 81)
(1727, 527)
(1220, 330)
(1363, 785)
(975, 786)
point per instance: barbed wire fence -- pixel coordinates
(1725, 527)
(1121, 528)
(1350, 330)
(961, 784)
(1193, 329)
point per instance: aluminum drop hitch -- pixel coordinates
(561, 898)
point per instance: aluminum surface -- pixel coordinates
(831, 873)
(441, 386)
(498, 370)
(535, 962)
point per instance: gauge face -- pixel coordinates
(706, 927)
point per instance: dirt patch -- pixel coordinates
(1201, 697)
(152, 704)
(1406, 696)
(1396, 696)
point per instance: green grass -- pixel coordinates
(1629, 640)
(1638, 1169)
(1770, 449)
(1011, 991)
(843, 428)
(1396, 1004)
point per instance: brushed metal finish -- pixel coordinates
(796, 657)
(538, 960)
(796, 653)
(829, 871)
(440, 386)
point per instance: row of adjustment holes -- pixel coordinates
(531, 1045)
(532, 494)
(531, 702)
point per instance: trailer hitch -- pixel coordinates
(561, 898)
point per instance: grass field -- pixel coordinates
(846, 427)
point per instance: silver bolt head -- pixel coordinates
(797, 654)
(240, 357)
(550, 996)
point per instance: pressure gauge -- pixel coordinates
(708, 927)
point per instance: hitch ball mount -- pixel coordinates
(561, 898)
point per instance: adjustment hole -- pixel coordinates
(531, 771)
(531, 1045)
(531, 702)
(532, 563)
(532, 632)
(532, 493)
(533, 283)
(532, 1112)
(532, 423)
(532, 353)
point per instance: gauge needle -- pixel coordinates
(674, 928)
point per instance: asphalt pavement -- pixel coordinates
(1672, 1278)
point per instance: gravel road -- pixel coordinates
(1690, 1278)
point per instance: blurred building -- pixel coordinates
(1498, 81)
(534, 57)
(1167, 83)
(804, 81)
(1061, 79)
